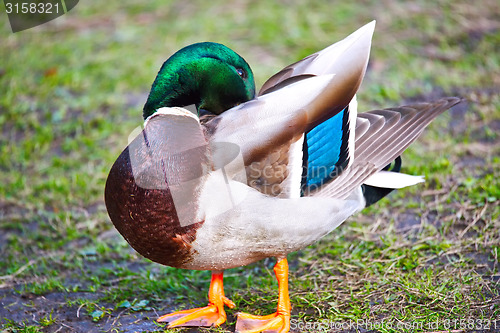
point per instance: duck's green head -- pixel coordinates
(209, 75)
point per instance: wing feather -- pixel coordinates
(383, 135)
(330, 60)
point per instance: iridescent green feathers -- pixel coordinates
(209, 75)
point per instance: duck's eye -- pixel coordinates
(241, 73)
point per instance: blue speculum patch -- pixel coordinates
(324, 145)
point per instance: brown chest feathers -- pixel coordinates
(146, 217)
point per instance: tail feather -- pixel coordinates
(374, 193)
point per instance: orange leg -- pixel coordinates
(211, 315)
(278, 322)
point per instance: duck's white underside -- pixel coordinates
(260, 226)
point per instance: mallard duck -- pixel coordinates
(220, 178)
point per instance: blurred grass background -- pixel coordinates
(72, 90)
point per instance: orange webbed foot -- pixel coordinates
(211, 315)
(274, 323)
(278, 322)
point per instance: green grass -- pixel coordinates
(72, 91)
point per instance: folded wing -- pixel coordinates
(381, 136)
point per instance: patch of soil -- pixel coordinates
(32, 309)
